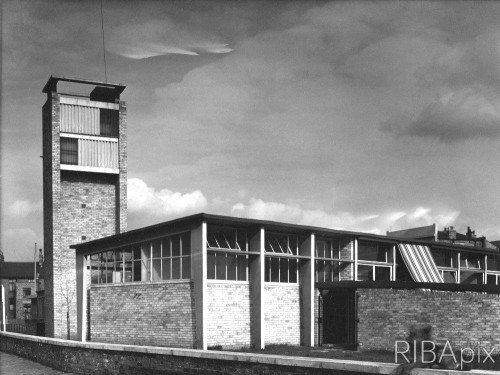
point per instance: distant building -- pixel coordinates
(450, 235)
(20, 280)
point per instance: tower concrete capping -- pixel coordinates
(84, 184)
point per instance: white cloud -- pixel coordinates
(23, 208)
(144, 199)
(374, 223)
(18, 244)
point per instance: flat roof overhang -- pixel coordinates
(189, 222)
(51, 84)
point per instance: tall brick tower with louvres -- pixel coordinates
(84, 184)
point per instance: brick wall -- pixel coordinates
(282, 314)
(228, 315)
(465, 319)
(107, 359)
(158, 314)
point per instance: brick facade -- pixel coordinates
(228, 316)
(346, 252)
(282, 314)
(78, 207)
(159, 314)
(465, 319)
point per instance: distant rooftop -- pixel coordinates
(18, 270)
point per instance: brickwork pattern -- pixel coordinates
(228, 315)
(282, 318)
(133, 361)
(346, 252)
(51, 190)
(78, 207)
(20, 299)
(465, 319)
(157, 314)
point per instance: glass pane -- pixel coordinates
(210, 265)
(292, 270)
(382, 274)
(450, 277)
(371, 251)
(231, 266)
(220, 267)
(156, 269)
(127, 254)
(176, 246)
(69, 150)
(137, 271)
(137, 253)
(494, 263)
(491, 280)
(186, 267)
(328, 271)
(336, 270)
(365, 273)
(335, 249)
(166, 266)
(320, 248)
(267, 273)
(442, 258)
(176, 268)
(242, 267)
(186, 243)
(165, 243)
(94, 273)
(293, 244)
(156, 249)
(328, 249)
(241, 237)
(283, 270)
(467, 277)
(108, 122)
(320, 273)
(275, 269)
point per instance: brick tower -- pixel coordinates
(84, 184)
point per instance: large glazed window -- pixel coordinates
(375, 261)
(281, 259)
(328, 266)
(166, 258)
(226, 253)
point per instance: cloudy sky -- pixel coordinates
(364, 116)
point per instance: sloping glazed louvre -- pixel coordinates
(420, 263)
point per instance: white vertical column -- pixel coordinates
(81, 297)
(257, 270)
(307, 277)
(355, 258)
(199, 276)
(3, 310)
(393, 263)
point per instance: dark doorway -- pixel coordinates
(338, 318)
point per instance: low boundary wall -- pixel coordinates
(112, 359)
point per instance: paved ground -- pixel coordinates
(14, 365)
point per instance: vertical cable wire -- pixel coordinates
(103, 46)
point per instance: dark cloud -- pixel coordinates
(457, 117)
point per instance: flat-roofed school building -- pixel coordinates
(207, 281)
